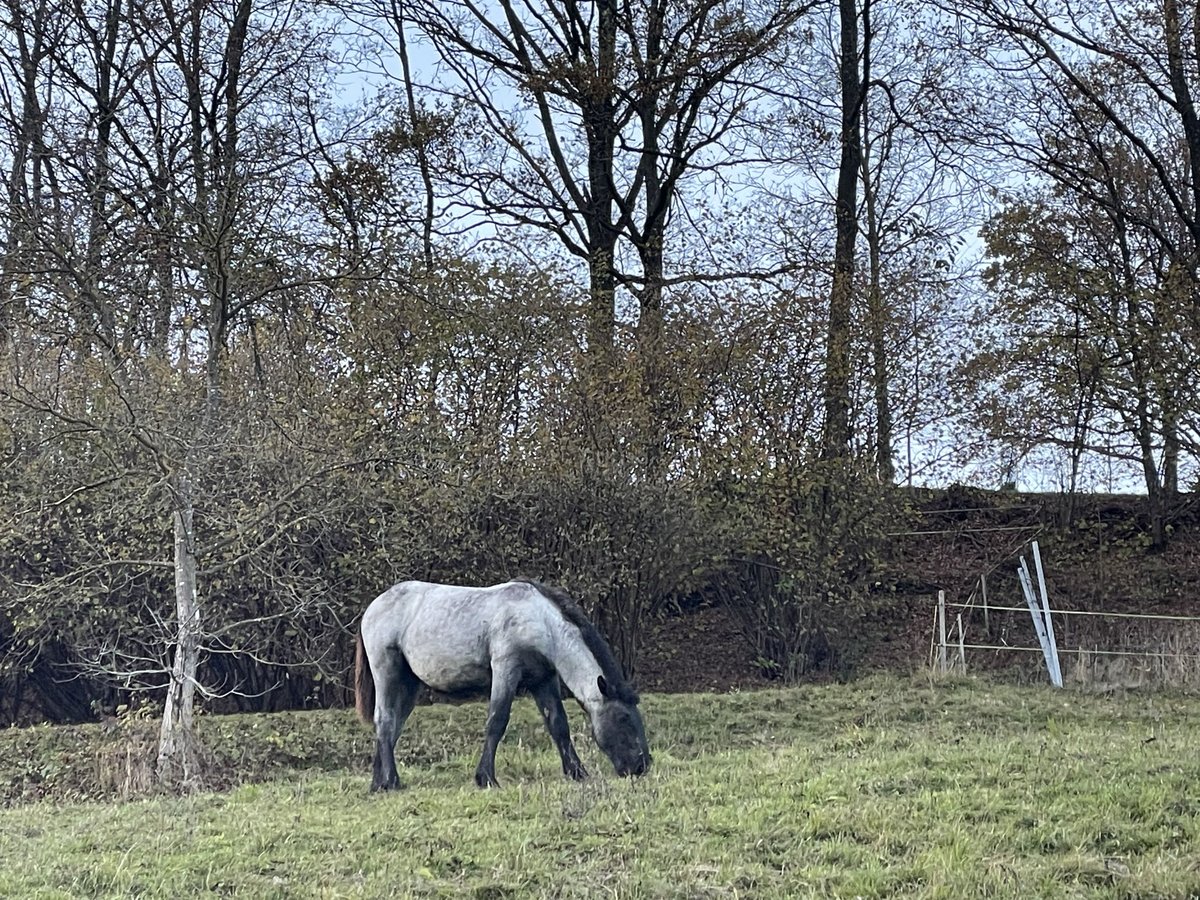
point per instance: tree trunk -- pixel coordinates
(836, 443)
(27, 153)
(215, 151)
(1178, 57)
(101, 310)
(650, 310)
(1154, 491)
(177, 749)
(1143, 429)
(1171, 449)
(420, 139)
(599, 118)
(885, 467)
(877, 309)
(601, 322)
(878, 325)
(658, 405)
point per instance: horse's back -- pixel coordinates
(448, 634)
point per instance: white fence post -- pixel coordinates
(941, 654)
(1056, 674)
(987, 626)
(1036, 612)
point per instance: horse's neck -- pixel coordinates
(579, 669)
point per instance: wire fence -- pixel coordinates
(1104, 648)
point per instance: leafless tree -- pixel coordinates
(156, 204)
(591, 116)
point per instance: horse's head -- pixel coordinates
(618, 729)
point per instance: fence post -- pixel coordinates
(962, 649)
(987, 626)
(1056, 672)
(941, 654)
(1036, 612)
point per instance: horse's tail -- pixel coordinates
(364, 682)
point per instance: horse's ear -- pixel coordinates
(603, 685)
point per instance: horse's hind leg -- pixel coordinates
(396, 689)
(549, 701)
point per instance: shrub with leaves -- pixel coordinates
(798, 583)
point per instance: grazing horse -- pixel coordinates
(515, 636)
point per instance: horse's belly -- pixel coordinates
(452, 678)
(446, 663)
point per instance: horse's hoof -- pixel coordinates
(579, 774)
(486, 781)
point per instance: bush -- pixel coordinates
(798, 583)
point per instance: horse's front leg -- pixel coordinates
(549, 701)
(504, 690)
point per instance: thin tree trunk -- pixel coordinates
(1143, 426)
(658, 405)
(1181, 88)
(1081, 424)
(177, 749)
(418, 136)
(656, 200)
(884, 465)
(1171, 448)
(27, 152)
(101, 309)
(1154, 491)
(836, 443)
(214, 150)
(877, 310)
(602, 235)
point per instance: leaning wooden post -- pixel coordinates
(941, 631)
(1056, 673)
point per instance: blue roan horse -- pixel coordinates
(510, 637)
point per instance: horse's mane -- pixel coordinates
(592, 637)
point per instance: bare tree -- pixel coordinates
(592, 115)
(1118, 63)
(174, 220)
(836, 439)
(918, 199)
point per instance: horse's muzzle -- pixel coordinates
(640, 767)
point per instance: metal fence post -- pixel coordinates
(1056, 671)
(1036, 612)
(941, 654)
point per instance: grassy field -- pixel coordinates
(887, 787)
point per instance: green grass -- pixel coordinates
(883, 788)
